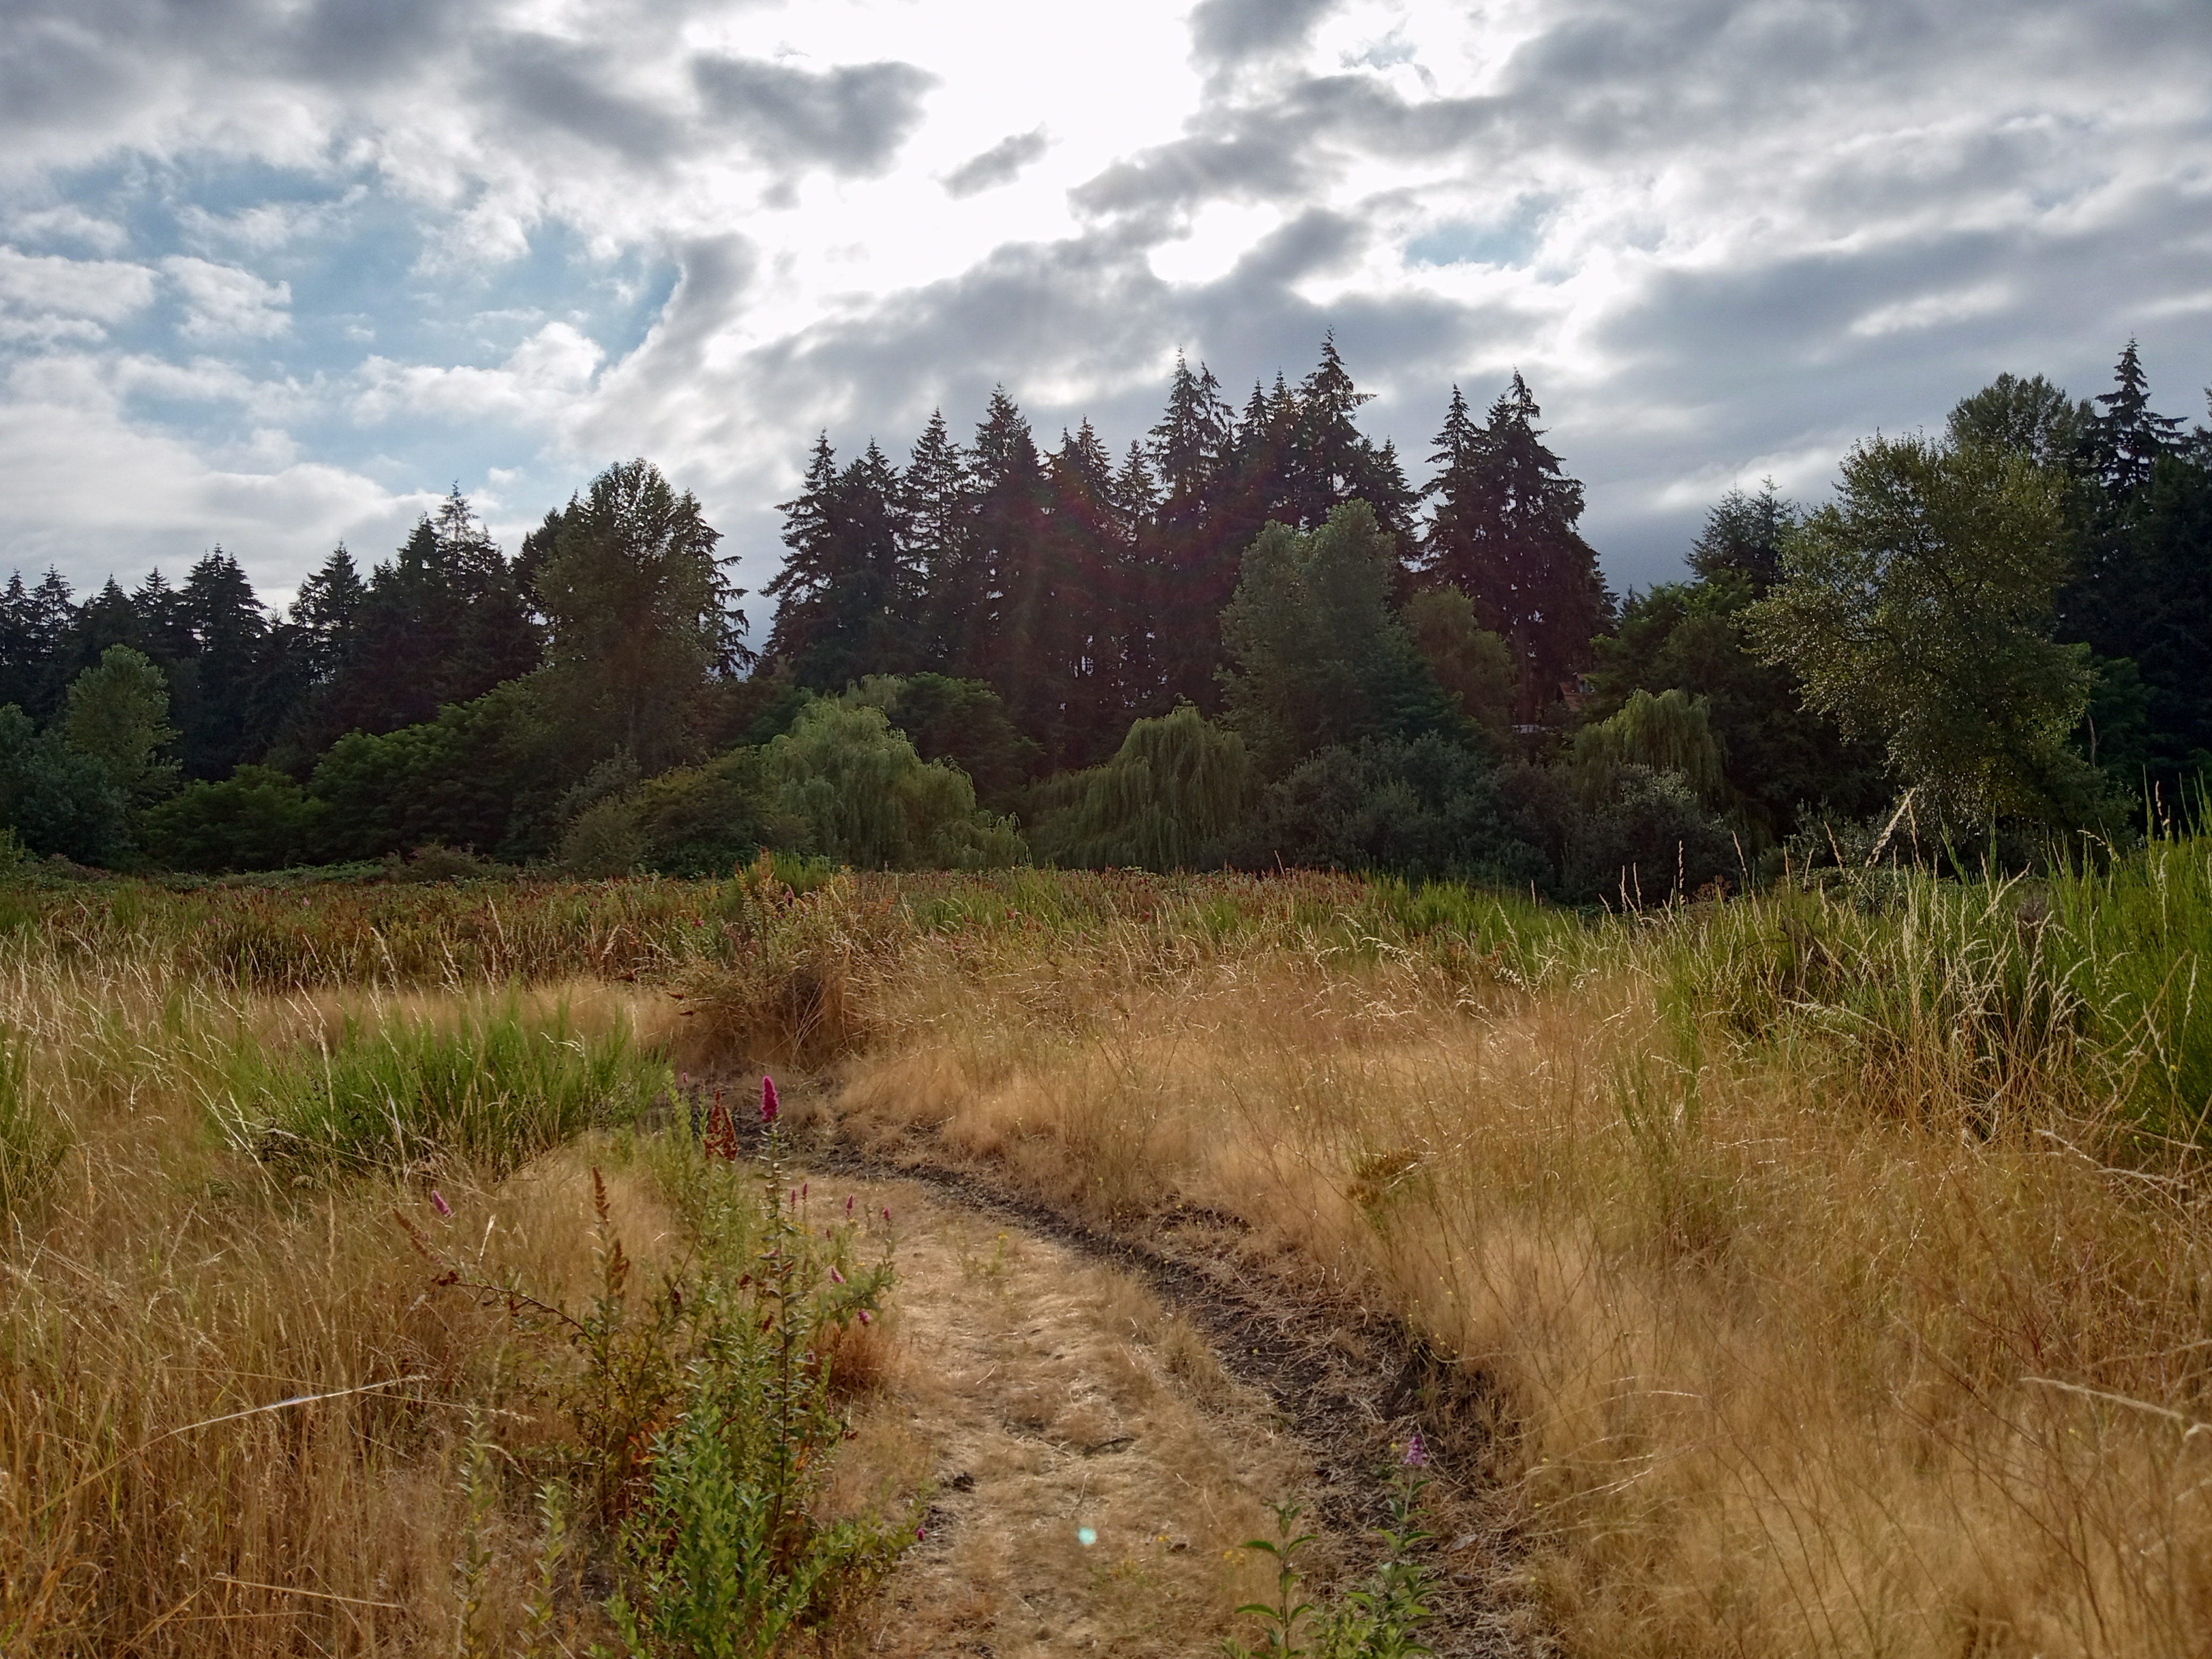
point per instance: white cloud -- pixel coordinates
(226, 303)
(1709, 234)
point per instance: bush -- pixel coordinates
(57, 799)
(700, 820)
(257, 819)
(487, 774)
(855, 792)
(1424, 809)
(1177, 787)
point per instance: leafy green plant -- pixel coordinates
(1377, 1620)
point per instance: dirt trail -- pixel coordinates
(1102, 1422)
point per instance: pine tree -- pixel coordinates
(1503, 531)
(2126, 439)
(442, 622)
(1093, 571)
(845, 601)
(326, 610)
(1744, 534)
(1012, 639)
(937, 503)
(1194, 446)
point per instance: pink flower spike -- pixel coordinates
(887, 1213)
(865, 1320)
(836, 1277)
(438, 1203)
(1417, 1454)
(770, 1105)
(849, 1204)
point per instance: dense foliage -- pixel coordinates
(1249, 641)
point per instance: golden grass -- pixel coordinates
(1787, 1370)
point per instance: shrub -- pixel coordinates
(1178, 784)
(58, 799)
(1426, 809)
(865, 797)
(257, 819)
(962, 722)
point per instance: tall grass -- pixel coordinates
(494, 1088)
(1833, 1259)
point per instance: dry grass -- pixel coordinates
(1803, 1353)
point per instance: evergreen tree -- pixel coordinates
(1016, 640)
(444, 621)
(1191, 571)
(1093, 569)
(937, 504)
(2124, 440)
(845, 599)
(327, 609)
(1743, 534)
(1331, 461)
(35, 626)
(221, 712)
(1503, 531)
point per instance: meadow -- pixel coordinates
(1824, 1270)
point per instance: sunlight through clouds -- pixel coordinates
(372, 251)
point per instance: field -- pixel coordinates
(1823, 1271)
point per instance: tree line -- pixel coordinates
(1249, 639)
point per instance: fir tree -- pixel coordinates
(2126, 439)
(937, 508)
(1503, 531)
(845, 599)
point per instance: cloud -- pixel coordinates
(408, 240)
(224, 302)
(850, 120)
(95, 291)
(998, 165)
(1226, 31)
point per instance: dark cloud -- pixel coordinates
(998, 165)
(554, 83)
(1228, 31)
(850, 120)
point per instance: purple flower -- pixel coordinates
(836, 1277)
(438, 1203)
(864, 1319)
(848, 1205)
(1417, 1454)
(770, 1105)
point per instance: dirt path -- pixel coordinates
(1102, 1423)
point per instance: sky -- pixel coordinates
(276, 274)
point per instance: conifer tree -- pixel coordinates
(1193, 446)
(936, 502)
(1503, 531)
(844, 597)
(2126, 439)
(1012, 639)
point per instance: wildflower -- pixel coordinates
(864, 1318)
(438, 1203)
(836, 1277)
(887, 1215)
(1417, 1454)
(848, 1205)
(770, 1105)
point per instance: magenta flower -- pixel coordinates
(438, 1203)
(836, 1277)
(865, 1320)
(770, 1105)
(1417, 1454)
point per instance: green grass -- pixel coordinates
(494, 1089)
